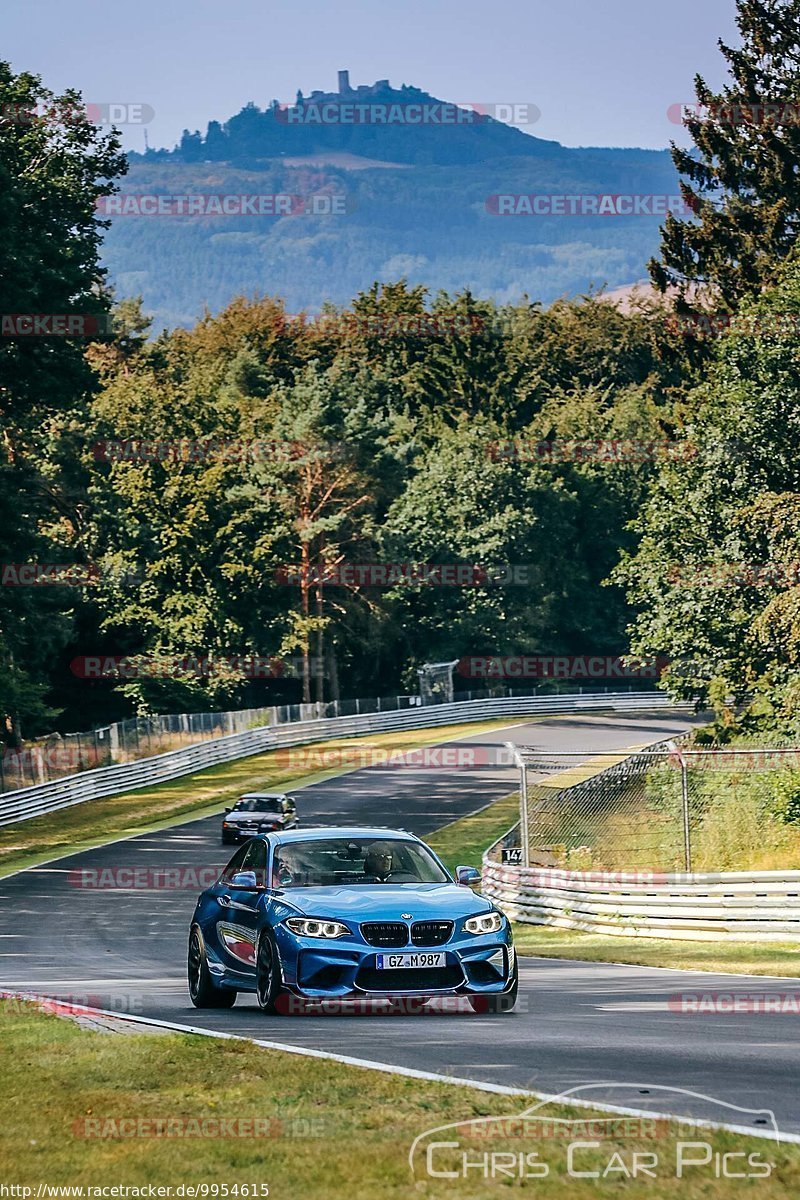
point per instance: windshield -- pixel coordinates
(352, 862)
(265, 804)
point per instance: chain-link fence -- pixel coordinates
(664, 808)
(59, 755)
(54, 757)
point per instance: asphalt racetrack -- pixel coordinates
(64, 932)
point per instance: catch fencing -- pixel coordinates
(664, 807)
(669, 841)
(60, 755)
(57, 756)
(111, 780)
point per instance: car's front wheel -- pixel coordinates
(203, 991)
(269, 991)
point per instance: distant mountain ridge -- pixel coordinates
(418, 200)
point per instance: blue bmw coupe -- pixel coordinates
(345, 914)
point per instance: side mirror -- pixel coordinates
(228, 809)
(468, 877)
(245, 879)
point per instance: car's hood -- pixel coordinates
(387, 902)
(253, 818)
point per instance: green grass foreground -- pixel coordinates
(82, 1108)
(93, 822)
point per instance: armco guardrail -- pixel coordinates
(734, 905)
(30, 802)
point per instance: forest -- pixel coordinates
(415, 475)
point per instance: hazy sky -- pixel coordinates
(602, 72)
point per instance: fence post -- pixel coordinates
(523, 797)
(687, 835)
(113, 741)
(523, 802)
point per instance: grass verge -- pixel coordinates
(463, 842)
(70, 830)
(81, 1109)
(746, 958)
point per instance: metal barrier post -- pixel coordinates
(523, 796)
(674, 748)
(522, 765)
(687, 834)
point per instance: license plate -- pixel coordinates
(396, 962)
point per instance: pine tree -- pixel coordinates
(741, 178)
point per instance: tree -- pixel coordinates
(715, 575)
(54, 167)
(740, 179)
(464, 505)
(327, 499)
(216, 143)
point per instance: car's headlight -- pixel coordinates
(487, 923)
(308, 927)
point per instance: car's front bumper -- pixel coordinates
(236, 833)
(347, 969)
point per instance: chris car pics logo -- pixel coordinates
(628, 1141)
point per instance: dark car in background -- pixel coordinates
(258, 812)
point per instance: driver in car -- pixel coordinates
(282, 874)
(382, 865)
(378, 863)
